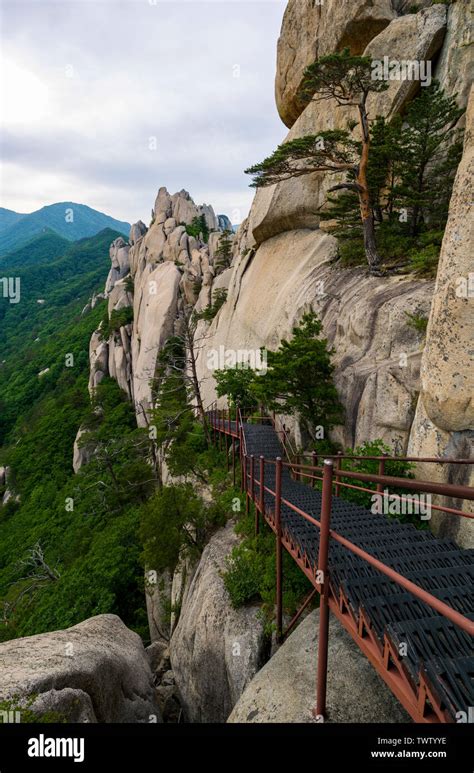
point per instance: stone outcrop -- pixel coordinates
(444, 422)
(83, 451)
(416, 37)
(98, 360)
(448, 360)
(120, 264)
(311, 30)
(296, 203)
(97, 671)
(284, 689)
(215, 649)
(161, 269)
(155, 310)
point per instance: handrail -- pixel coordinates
(386, 458)
(331, 476)
(444, 489)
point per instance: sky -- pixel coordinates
(104, 101)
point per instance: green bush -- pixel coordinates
(218, 300)
(418, 322)
(118, 318)
(424, 261)
(198, 228)
(250, 574)
(176, 521)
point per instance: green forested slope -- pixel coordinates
(85, 526)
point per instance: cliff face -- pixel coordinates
(159, 271)
(444, 421)
(284, 262)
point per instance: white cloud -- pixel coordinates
(86, 84)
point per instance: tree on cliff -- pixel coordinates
(348, 80)
(299, 379)
(224, 251)
(430, 148)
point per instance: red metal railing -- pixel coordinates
(415, 698)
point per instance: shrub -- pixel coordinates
(417, 322)
(219, 298)
(424, 260)
(118, 318)
(250, 574)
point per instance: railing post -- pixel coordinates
(279, 568)
(326, 500)
(297, 472)
(338, 468)
(246, 488)
(381, 472)
(241, 457)
(314, 461)
(252, 489)
(262, 491)
(233, 460)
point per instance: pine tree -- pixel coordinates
(430, 150)
(348, 80)
(224, 251)
(299, 378)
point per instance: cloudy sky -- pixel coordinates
(104, 101)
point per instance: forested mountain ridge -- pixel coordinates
(70, 220)
(44, 398)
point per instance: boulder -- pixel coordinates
(215, 649)
(416, 37)
(284, 690)
(311, 30)
(163, 206)
(137, 231)
(97, 671)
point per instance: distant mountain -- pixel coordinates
(8, 218)
(61, 284)
(41, 249)
(69, 220)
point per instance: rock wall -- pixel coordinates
(284, 262)
(444, 421)
(377, 354)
